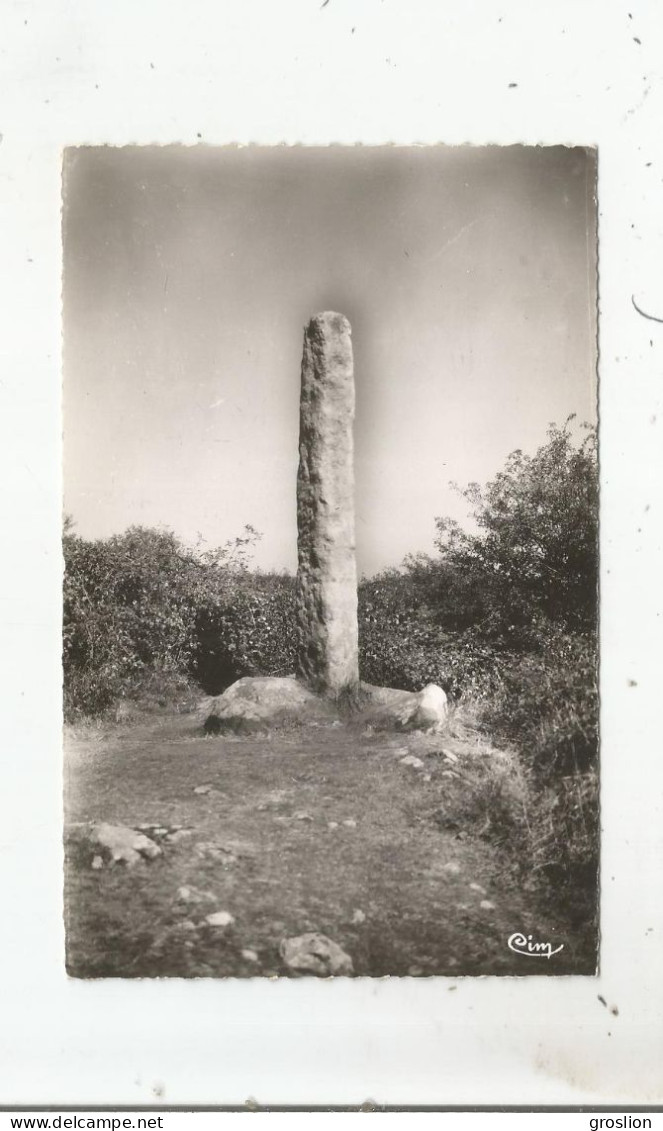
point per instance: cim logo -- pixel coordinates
(522, 944)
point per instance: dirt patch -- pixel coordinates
(320, 830)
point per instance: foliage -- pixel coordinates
(504, 618)
(533, 559)
(247, 630)
(142, 602)
(547, 702)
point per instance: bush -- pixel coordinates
(533, 560)
(547, 702)
(247, 629)
(142, 605)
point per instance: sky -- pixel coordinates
(468, 276)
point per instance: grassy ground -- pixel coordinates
(313, 829)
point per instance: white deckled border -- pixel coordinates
(142, 72)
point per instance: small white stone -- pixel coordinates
(449, 756)
(97, 863)
(427, 777)
(202, 788)
(250, 955)
(302, 816)
(452, 867)
(411, 760)
(179, 834)
(350, 823)
(358, 917)
(477, 887)
(486, 905)
(194, 895)
(220, 919)
(332, 824)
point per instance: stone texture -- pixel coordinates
(220, 919)
(387, 708)
(121, 845)
(327, 573)
(314, 953)
(431, 710)
(255, 703)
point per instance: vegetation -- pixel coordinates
(143, 603)
(503, 616)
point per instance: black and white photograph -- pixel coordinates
(330, 541)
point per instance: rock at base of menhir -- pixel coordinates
(388, 708)
(430, 710)
(328, 654)
(314, 953)
(255, 704)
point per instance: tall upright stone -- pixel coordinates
(327, 572)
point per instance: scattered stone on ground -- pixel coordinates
(226, 854)
(195, 895)
(447, 754)
(350, 823)
(202, 788)
(301, 815)
(169, 833)
(478, 887)
(412, 760)
(453, 868)
(427, 777)
(313, 953)
(220, 919)
(121, 845)
(357, 917)
(250, 955)
(486, 905)
(97, 862)
(332, 824)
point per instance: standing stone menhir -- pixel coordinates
(327, 573)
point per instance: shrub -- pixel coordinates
(547, 702)
(248, 628)
(142, 608)
(533, 559)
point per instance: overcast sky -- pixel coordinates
(468, 276)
